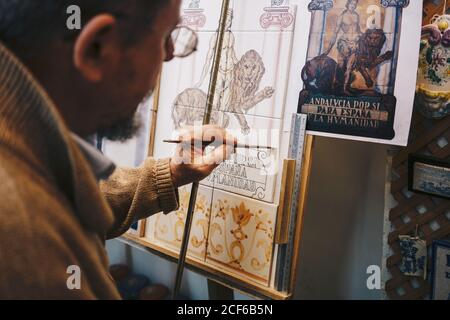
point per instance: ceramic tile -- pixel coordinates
(251, 172)
(252, 80)
(167, 230)
(149, 235)
(440, 273)
(254, 130)
(183, 84)
(201, 15)
(190, 72)
(204, 15)
(362, 5)
(365, 47)
(188, 83)
(342, 50)
(263, 15)
(340, 41)
(135, 229)
(169, 127)
(256, 82)
(241, 236)
(342, 27)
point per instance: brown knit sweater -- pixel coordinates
(52, 212)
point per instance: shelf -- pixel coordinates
(227, 280)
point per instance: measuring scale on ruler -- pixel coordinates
(285, 251)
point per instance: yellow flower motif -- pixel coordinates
(262, 216)
(222, 209)
(241, 215)
(185, 196)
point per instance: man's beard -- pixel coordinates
(125, 129)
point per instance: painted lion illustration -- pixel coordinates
(367, 58)
(319, 74)
(189, 106)
(247, 77)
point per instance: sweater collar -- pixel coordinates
(101, 166)
(32, 128)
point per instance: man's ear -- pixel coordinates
(91, 51)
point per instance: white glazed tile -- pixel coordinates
(241, 236)
(257, 81)
(201, 15)
(187, 89)
(183, 73)
(166, 130)
(167, 230)
(149, 234)
(264, 132)
(263, 15)
(178, 80)
(254, 130)
(252, 80)
(251, 172)
(135, 229)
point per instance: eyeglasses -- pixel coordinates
(183, 41)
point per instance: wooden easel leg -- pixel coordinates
(219, 292)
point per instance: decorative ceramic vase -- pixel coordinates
(433, 83)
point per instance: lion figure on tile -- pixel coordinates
(367, 58)
(247, 77)
(189, 106)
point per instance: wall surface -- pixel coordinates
(342, 232)
(343, 225)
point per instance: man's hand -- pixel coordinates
(190, 162)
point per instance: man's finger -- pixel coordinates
(219, 155)
(203, 136)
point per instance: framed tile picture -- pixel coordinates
(440, 274)
(351, 68)
(430, 176)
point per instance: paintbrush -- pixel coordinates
(236, 144)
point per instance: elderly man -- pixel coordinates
(58, 88)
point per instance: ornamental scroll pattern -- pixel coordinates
(241, 238)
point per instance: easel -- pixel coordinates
(221, 285)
